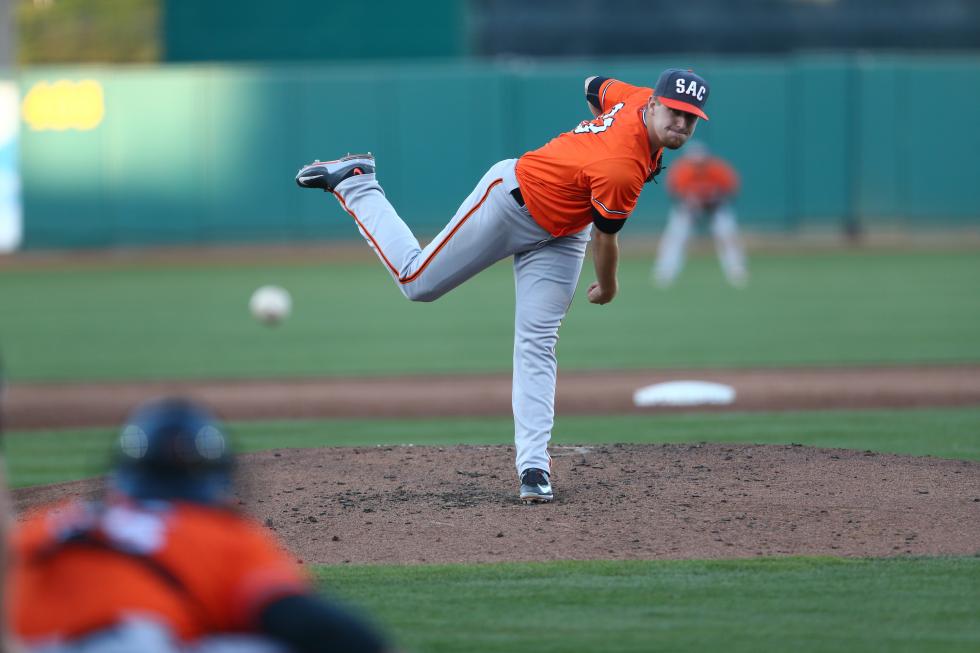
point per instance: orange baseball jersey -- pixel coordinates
(704, 181)
(601, 164)
(81, 566)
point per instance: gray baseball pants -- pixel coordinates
(490, 225)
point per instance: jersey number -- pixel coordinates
(601, 123)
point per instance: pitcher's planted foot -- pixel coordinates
(536, 486)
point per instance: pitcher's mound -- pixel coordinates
(459, 504)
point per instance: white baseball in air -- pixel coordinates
(270, 304)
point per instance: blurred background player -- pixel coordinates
(165, 563)
(702, 186)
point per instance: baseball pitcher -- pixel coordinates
(539, 209)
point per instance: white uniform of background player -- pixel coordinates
(703, 187)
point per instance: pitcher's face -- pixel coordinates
(670, 127)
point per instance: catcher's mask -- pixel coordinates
(173, 449)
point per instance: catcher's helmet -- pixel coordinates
(173, 449)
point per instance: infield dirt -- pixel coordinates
(459, 504)
(49, 405)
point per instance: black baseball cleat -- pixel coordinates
(327, 174)
(535, 486)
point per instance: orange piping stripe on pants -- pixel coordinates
(415, 275)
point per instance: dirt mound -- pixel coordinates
(459, 504)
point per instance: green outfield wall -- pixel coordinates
(209, 31)
(206, 154)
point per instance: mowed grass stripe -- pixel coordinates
(37, 457)
(774, 604)
(176, 322)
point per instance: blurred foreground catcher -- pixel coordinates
(164, 563)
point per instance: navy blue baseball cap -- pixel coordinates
(173, 449)
(682, 90)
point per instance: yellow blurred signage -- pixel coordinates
(64, 104)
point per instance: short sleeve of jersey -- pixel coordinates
(615, 186)
(262, 573)
(612, 91)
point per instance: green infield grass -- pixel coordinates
(36, 457)
(191, 321)
(801, 605)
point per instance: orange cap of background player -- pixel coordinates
(682, 90)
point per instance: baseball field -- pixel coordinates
(835, 506)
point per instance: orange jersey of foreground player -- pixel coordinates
(600, 165)
(704, 180)
(82, 567)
